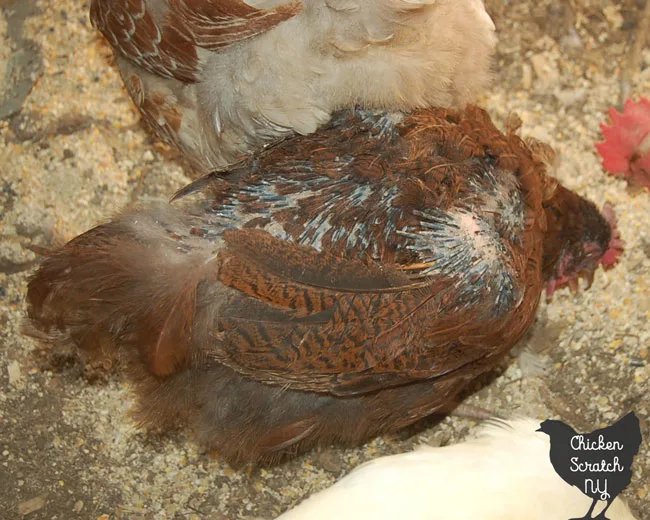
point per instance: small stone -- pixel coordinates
(613, 14)
(33, 504)
(328, 461)
(14, 373)
(546, 70)
(568, 97)
(148, 156)
(571, 40)
(78, 506)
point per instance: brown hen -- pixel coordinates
(219, 78)
(337, 286)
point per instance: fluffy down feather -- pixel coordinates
(219, 78)
(505, 474)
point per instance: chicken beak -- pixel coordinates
(589, 277)
(574, 285)
(550, 289)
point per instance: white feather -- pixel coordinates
(393, 55)
(505, 474)
(334, 54)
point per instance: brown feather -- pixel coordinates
(313, 296)
(166, 41)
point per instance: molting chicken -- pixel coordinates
(336, 286)
(221, 78)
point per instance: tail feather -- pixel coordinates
(131, 283)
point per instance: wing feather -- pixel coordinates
(167, 41)
(328, 324)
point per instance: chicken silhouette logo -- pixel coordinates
(598, 463)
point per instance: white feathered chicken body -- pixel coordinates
(505, 474)
(219, 78)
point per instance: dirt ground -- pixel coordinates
(73, 153)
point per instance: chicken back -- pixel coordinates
(335, 287)
(221, 78)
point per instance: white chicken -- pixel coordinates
(504, 474)
(220, 78)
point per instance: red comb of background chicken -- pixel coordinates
(626, 149)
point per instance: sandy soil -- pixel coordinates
(74, 153)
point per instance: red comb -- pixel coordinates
(626, 149)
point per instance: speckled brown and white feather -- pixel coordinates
(337, 286)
